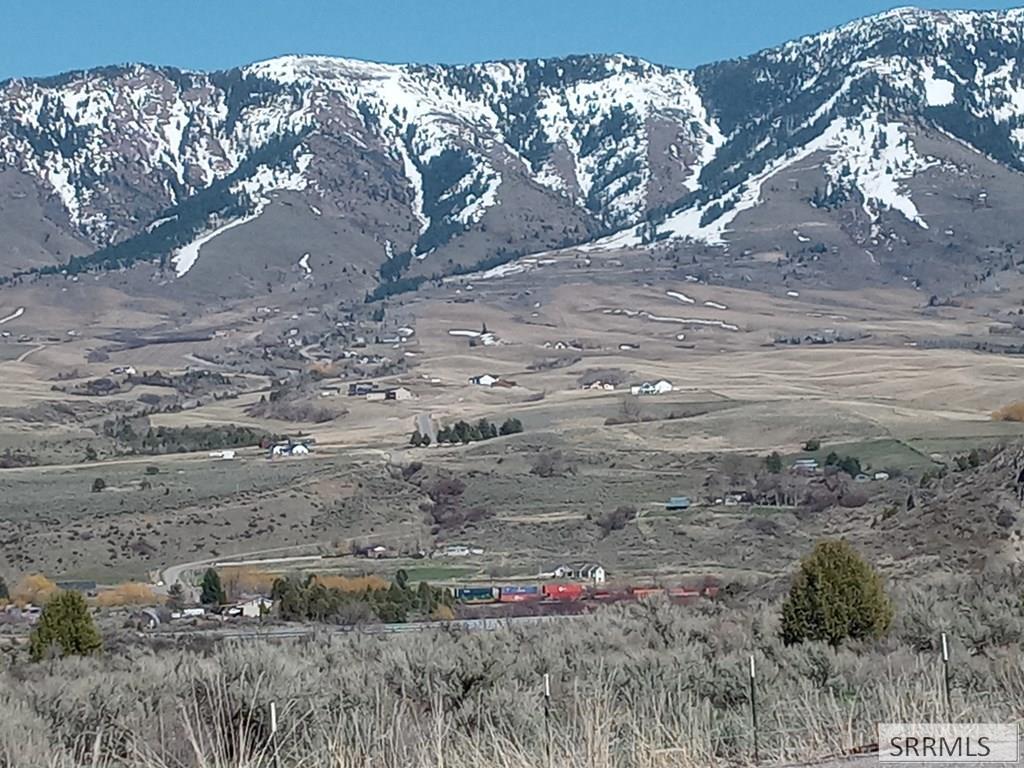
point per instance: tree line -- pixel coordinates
(311, 599)
(465, 433)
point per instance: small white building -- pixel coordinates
(400, 393)
(253, 608)
(593, 572)
(484, 380)
(225, 455)
(881, 475)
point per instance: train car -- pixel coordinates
(519, 593)
(563, 591)
(682, 593)
(642, 593)
(475, 595)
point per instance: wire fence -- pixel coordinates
(764, 729)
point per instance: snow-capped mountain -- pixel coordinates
(423, 170)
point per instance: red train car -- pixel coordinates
(563, 591)
(683, 592)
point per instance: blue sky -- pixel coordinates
(50, 36)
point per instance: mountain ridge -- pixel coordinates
(511, 156)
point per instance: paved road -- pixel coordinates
(174, 573)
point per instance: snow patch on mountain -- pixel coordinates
(938, 92)
(185, 258)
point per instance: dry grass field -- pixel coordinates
(907, 392)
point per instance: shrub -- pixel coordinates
(176, 597)
(66, 626)
(129, 593)
(34, 588)
(835, 595)
(551, 464)
(212, 590)
(98, 485)
(1012, 412)
(814, 444)
(617, 520)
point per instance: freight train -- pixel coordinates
(562, 592)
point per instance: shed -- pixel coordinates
(677, 503)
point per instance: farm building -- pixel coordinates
(484, 380)
(360, 388)
(85, 587)
(806, 466)
(253, 608)
(660, 387)
(290, 448)
(677, 503)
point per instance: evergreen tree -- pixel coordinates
(5, 593)
(66, 627)
(402, 578)
(835, 595)
(511, 427)
(773, 462)
(212, 590)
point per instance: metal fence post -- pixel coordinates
(273, 734)
(945, 677)
(547, 718)
(753, 709)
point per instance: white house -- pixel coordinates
(299, 450)
(662, 387)
(594, 573)
(484, 380)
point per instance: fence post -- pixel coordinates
(273, 734)
(945, 677)
(547, 718)
(753, 709)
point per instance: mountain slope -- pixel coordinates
(410, 171)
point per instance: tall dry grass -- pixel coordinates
(643, 686)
